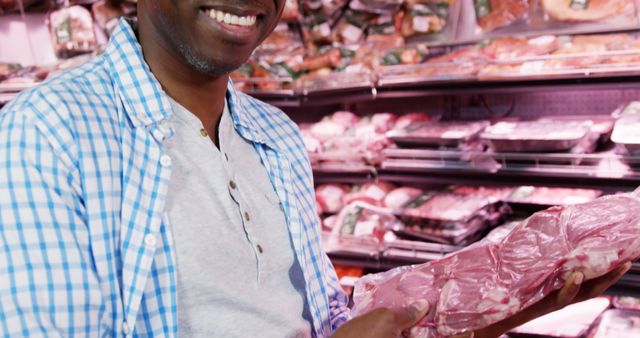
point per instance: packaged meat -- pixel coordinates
(370, 192)
(626, 132)
(536, 136)
(626, 303)
(449, 218)
(506, 48)
(487, 282)
(399, 197)
(438, 133)
(424, 17)
(361, 227)
(412, 120)
(493, 14)
(494, 194)
(330, 196)
(574, 321)
(72, 31)
(550, 196)
(590, 10)
(617, 323)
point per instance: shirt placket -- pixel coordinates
(236, 192)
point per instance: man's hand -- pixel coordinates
(383, 323)
(573, 291)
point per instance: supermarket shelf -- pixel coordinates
(447, 86)
(605, 170)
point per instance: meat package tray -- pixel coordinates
(490, 281)
(449, 218)
(626, 131)
(536, 136)
(617, 323)
(574, 321)
(450, 134)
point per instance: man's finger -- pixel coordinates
(597, 286)
(570, 289)
(411, 315)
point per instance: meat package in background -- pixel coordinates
(488, 282)
(493, 14)
(372, 193)
(626, 132)
(398, 198)
(72, 31)
(536, 136)
(448, 134)
(361, 227)
(617, 323)
(330, 197)
(449, 218)
(550, 196)
(572, 11)
(627, 303)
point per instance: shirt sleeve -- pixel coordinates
(338, 300)
(47, 284)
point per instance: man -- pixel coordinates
(140, 195)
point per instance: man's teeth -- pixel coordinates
(231, 19)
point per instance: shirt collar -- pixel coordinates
(140, 92)
(145, 101)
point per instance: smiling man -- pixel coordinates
(141, 195)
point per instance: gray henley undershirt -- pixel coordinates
(238, 275)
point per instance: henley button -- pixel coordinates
(165, 160)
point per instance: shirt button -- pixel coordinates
(150, 240)
(232, 184)
(246, 216)
(125, 328)
(259, 247)
(203, 132)
(165, 160)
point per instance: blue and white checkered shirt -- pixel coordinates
(85, 248)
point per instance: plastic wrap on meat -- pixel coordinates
(592, 10)
(618, 323)
(361, 226)
(494, 194)
(551, 196)
(438, 133)
(492, 14)
(411, 119)
(486, 283)
(627, 303)
(536, 136)
(371, 192)
(506, 48)
(329, 197)
(400, 197)
(446, 207)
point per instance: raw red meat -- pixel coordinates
(372, 193)
(488, 282)
(329, 197)
(345, 118)
(399, 197)
(411, 119)
(447, 207)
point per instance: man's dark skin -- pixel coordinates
(191, 57)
